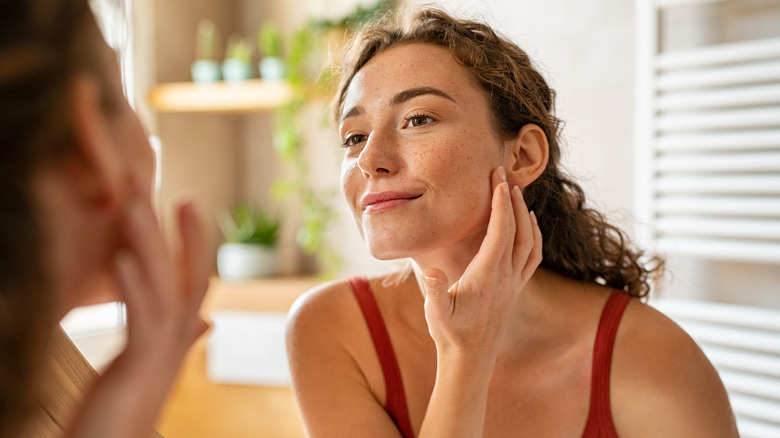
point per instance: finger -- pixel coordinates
(130, 287)
(497, 177)
(145, 240)
(500, 231)
(524, 239)
(535, 257)
(193, 258)
(438, 302)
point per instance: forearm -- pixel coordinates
(458, 404)
(125, 402)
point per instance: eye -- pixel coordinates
(417, 120)
(352, 140)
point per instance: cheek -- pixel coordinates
(351, 189)
(347, 171)
(144, 156)
(351, 183)
(459, 171)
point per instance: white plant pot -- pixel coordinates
(242, 261)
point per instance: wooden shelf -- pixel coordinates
(220, 97)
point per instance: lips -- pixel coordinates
(373, 202)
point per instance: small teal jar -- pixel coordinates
(205, 71)
(236, 70)
(272, 68)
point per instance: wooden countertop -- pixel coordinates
(199, 408)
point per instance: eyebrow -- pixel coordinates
(400, 98)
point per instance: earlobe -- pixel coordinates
(98, 163)
(530, 152)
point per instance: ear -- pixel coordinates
(96, 167)
(526, 155)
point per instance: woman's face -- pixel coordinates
(126, 131)
(419, 151)
(132, 163)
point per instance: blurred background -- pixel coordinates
(672, 126)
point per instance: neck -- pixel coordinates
(534, 312)
(452, 260)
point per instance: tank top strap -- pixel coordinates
(395, 404)
(600, 422)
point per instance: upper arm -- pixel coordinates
(663, 384)
(330, 386)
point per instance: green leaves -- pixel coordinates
(238, 48)
(206, 42)
(269, 39)
(308, 83)
(247, 224)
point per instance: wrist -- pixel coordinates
(458, 364)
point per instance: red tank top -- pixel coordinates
(599, 424)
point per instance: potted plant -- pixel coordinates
(237, 66)
(269, 42)
(205, 68)
(249, 250)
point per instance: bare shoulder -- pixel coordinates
(323, 312)
(333, 367)
(662, 383)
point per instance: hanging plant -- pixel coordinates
(306, 45)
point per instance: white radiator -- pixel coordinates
(708, 144)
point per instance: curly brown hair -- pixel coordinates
(578, 241)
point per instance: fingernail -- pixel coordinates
(533, 218)
(432, 281)
(518, 193)
(502, 173)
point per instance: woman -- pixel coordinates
(78, 225)
(506, 325)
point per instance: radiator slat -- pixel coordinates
(721, 227)
(751, 384)
(720, 184)
(720, 205)
(749, 428)
(760, 139)
(722, 313)
(745, 361)
(719, 120)
(745, 74)
(720, 98)
(720, 249)
(722, 162)
(729, 53)
(755, 408)
(733, 337)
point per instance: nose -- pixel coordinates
(379, 156)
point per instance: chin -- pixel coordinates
(392, 248)
(387, 256)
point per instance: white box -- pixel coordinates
(248, 348)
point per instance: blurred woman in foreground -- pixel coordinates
(78, 225)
